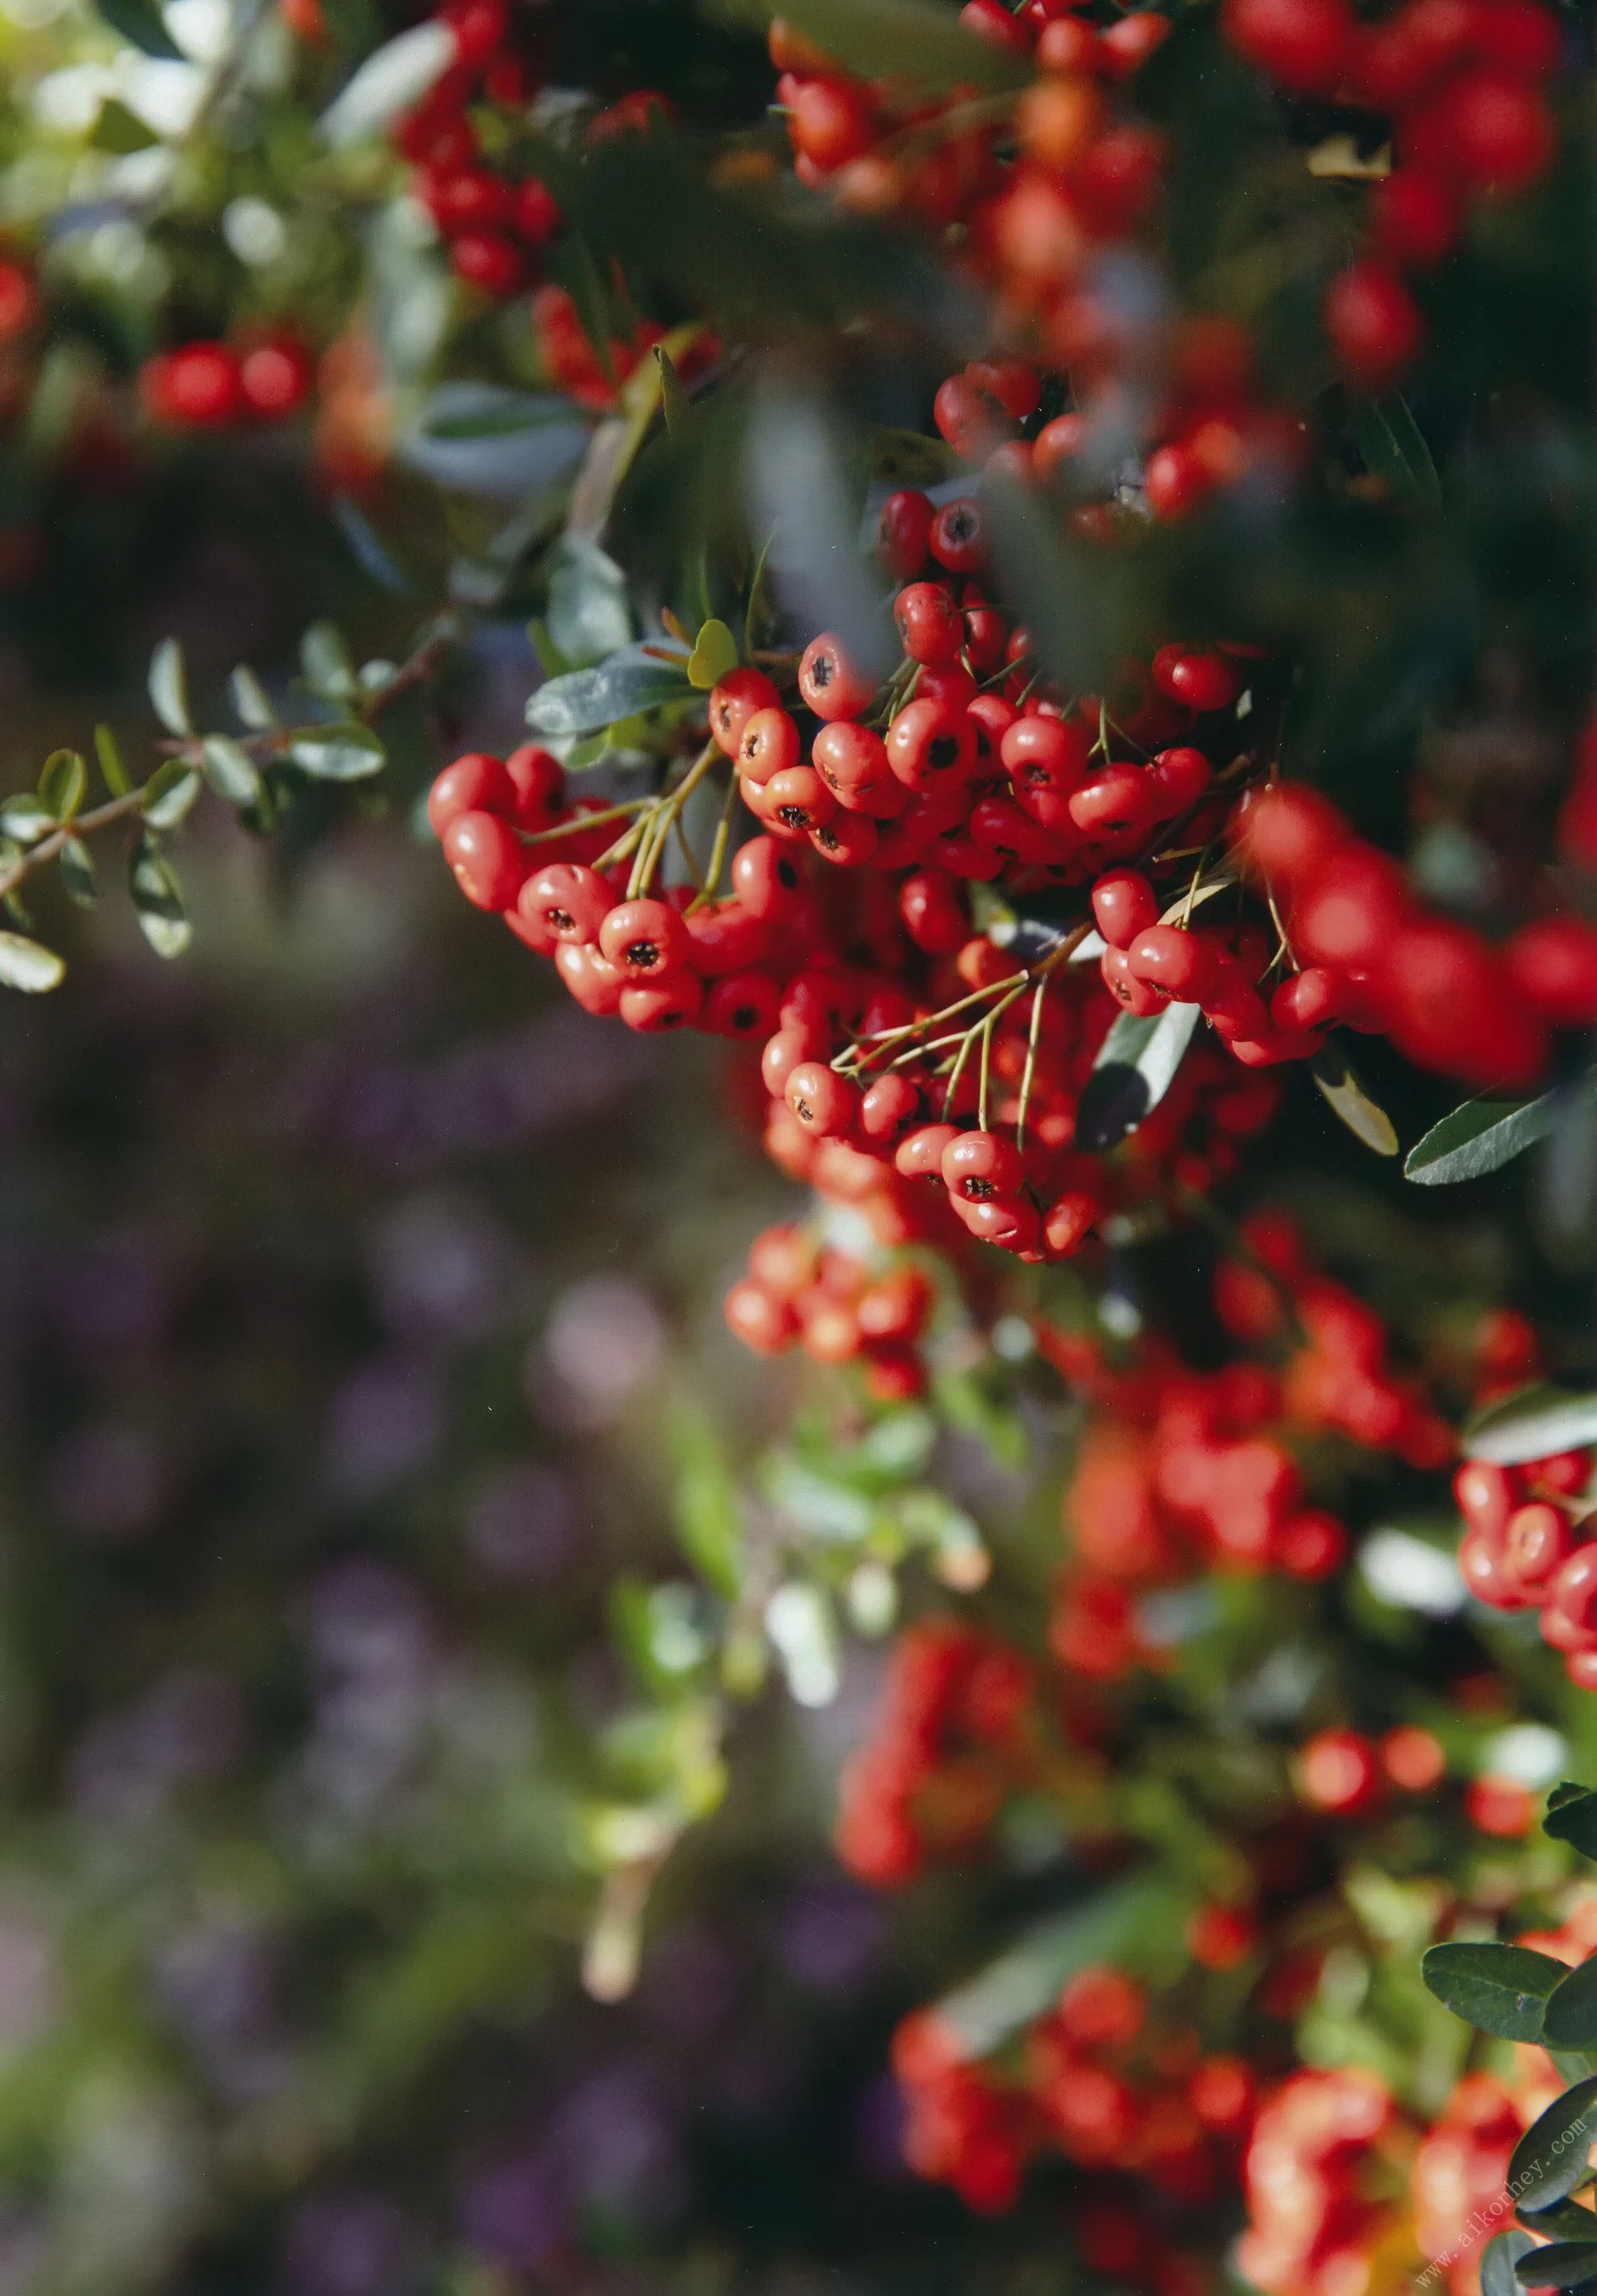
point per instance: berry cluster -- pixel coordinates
(1373, 958)
(1462, 80)
(958, 1728)
(1343, 1774)
(1324, 2179)
(835, 1308)
(211, 386)
(1526, 1546)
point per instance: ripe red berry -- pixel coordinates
(734, 701)
(1124, 905)
(929, 623)
(275, 378)
(833, 684)
(919, 1155)
(796, 801)
(664, 1001)
(1337, 1772)
(852, 761)
(1068, 1221)
(1177, 778)
(539, 782)
(1373, 323)
(489, 260)
(1416, 215)
(1302, 44)
(196, 387)
(1114, 801)
(979, 1165)
(1553, 965)
(903, 532)
(646, 938)
(1051, 753)
(742, 1005)
(768, 745)
(759, 1319)
(591, 978)
(823, 1101)
(1202, 681)
(956, 535)
(566, 901)
(829, 121)
(766, 880)
(1177, 962)
(930, 744)
(474, 784)
(490, 861)
(888, 1105)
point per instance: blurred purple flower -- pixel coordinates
(104, 1482)
(191, 1725)
(442, 1269)
(614, 2148)
(511, 2212)
(385, 1422)
(215, 1981)
(829, 1937)
(605, 1341)
(690, 1980)
(348, 2244)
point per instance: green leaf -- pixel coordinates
(139, 22)
(1572, 1817)
(158, 899)
(1571, 2019)
(588, 617)
(248, 699)
(169, 794)
(1393, 448)
(324, 660)
(674, 398)
(389, 81)
(368, 549)
(1501, 1989)
(338, 753)
(230, 770)
(116, 130)
(1135, 1067)
(619, 688)
(78, 873)
(1478, 1137)
(907, 458)
(28, 965)
(705, 1502)
(169, 687)
(715, 653)
(506, 417)
(1339, 1085)
(1550, 2160)
(1498, 2259)
(62, 783)
(23, 817)
(1532, 1424)
(1565, 2264)
(1566, 2217)
(908, 38)
(111, 768)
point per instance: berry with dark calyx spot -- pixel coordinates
(566, 900)
(956, 535)
(797, 800)
(734, 701)
(767, 745)
(852, 760)
(823, 1101)
(977, 1165)
(934, 911)
(849, 840)
(646, 938)
(742, 1005)
(888, 1105)
(833, 684)
(539, 781)
(930, 744)
(725, 938)
(667, 1001)
(766, 881)
(1139, 997)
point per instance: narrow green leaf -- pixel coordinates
(674, 398)
(249, 702)
(1498, 2259)
(1501, 1989)
(1565, 2217)
(324, 658)
(714, 655)
(504, 418)
(1478, 1137)
(1564, 2264)
(1135, 1067)
(169, 794)
(1550, 2160)
(139, 22)
(368, 549)
(1531, 1424)
(338, 753)
(169, 687)
(78, 873)
(157, 897)
(26, 964)
(1342, 1090)
(1572, 1819)
(62, 783)
(230, 770)
(908, 38)
(114, 771)
(1571, 2019)
(389, 81)
(621, 687)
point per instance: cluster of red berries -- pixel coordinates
(1527, 1546)
(570, 362)
(1373, 958)
(1344, 1773)
(1324, 2147)
(211, 386)
(957, 1729)
(1462, 79)
(835, 1308)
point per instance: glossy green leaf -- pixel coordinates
(504, 416)
(249, 702)
(1498, 2259)
(113, 771)
(78, 873)
(230, 770)
(141, 24)
(1135, 1067)
(169, 794)
(1343, 1091)
(912, 39)
(338, 753)
(1531, 1424)
(1572, 1817)
(1478, 1137)
(677, 406)
(1501, 1989)
(714, 654)
(589, 618)
(1550, 2160)
(62, 783)
(1563, 2264)
(28, 965)
(169, 687)
(157, 897)
(1571, 2019)
(324, 660)
(25, 819)
(389, 81)
(587, 699)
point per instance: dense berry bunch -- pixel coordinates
(1527, 1546)
(835, 1308)
(211, 386)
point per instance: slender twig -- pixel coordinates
(1032, 1036)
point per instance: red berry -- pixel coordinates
(1303, 44)
(829, 121)
(591, 978)
(1174, 961)
(490, 861)
(1124, 905)
(956, 535)
(1373, 323)
(489, 260)
(903, 532)
(929, 624)
(664, 1001)
(1202, 681)
(852, 761)
(920, 1154)
(768, 745)
(761, 1321)
(1114, 801)
(1416, 216)
(740, 694)
(833, 684)
(742, 1005)
(979, 1165)
(931, 744)
(566, 901)
(474, 784)
(275, 378)
(889, 1104)
(1338, 1772)
(766, 880)
(646, 938)
(824, 1102)
(197, 386)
